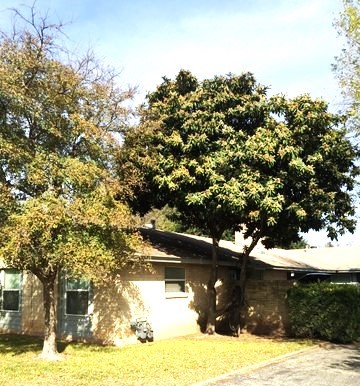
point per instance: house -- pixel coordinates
(171, 296)
(274, 271)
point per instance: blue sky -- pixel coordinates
(288, 44)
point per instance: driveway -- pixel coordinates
(326, 365)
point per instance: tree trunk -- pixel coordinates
(242, 279)
(243, 276)
(49, 348)
(211, 290)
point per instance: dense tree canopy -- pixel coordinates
(347, 65)
(59, 119)
(227, 156)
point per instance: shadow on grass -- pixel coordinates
(20, 344)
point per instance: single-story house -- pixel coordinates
(274, 271)
(171, 296)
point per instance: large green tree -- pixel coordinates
(227, 156)
(59, 125)
(347, 66)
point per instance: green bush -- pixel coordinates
(325, 311)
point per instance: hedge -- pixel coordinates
(325, 311)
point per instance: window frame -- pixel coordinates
(344, 278)
(4, 289)
(179, 280)
(77, 291)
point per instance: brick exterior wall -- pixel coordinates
(128, 297)
(32, 312)
(143, 295)
(267, 311)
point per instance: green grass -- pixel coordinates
(180, 361)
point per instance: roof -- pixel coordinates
(332, 259)
(184, 248)
(180, 247)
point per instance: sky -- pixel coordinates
(289, 45)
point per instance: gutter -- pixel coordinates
(162, 259)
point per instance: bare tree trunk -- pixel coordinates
(49, 348)
(243, 276)
(242, 279)
(211, 290)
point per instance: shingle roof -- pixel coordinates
(319, 259)
(171, 246)
(180, 247)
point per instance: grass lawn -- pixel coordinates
(180, 361)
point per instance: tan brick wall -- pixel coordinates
(32, 312)
(143, 295)
(274, 275)
(267, 311)
(127, 297)
(119, 302)
(31, 307)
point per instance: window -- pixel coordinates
(234, 274)
(174, 279)
(11, 290)
(344, 278)
(256, 274)
(77, 296)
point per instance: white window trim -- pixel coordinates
(174, 295)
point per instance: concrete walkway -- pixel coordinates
(326, 365)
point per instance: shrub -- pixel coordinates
(325, 311)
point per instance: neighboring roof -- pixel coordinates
(333, 259)
(180, 247)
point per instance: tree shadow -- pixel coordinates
(266, 311)
(352, 361)
(199, 303)
(21, 344)
(32, 310)
(116, 304)
(61, 346)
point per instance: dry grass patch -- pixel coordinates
(180, 361)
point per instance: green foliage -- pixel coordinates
(228, 157)
(165, 219)
(58, 124)
(60, 118)
(225, 154)
(84, 237)
(347, 67)
(296, 244)
(169, 219)
(325, 311)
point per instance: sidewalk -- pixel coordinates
(328, 364)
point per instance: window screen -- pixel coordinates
(11, 290)
(77, 296)
(174, 279)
